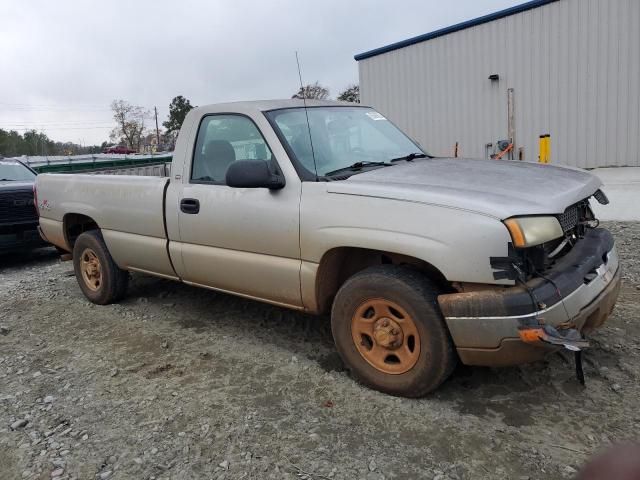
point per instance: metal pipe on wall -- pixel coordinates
(511, 120)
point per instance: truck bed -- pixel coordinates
(156, 170)
(128, 210)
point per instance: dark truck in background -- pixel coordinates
(18, 214)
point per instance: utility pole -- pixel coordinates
(157, 131)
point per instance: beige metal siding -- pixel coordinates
(574, 66)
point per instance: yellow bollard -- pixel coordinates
(544, 147)
(548, 148)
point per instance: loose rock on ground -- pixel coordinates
(214, 386)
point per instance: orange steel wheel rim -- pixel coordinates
(91, 269)
(386, 336)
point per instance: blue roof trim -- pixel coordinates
(454, 28)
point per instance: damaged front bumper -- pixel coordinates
(506, 326)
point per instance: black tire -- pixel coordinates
(416, 295)
(113, 281)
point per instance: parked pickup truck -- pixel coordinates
(18, 216)
(420, 261)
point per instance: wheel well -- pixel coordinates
(74, 225)
(338, 264)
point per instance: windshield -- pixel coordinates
(15, 171)
(340, 137)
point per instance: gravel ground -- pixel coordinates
(182, 383)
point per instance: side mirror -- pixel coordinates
(252, 174)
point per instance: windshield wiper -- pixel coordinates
(358, 166)
(408, 158)
(7, 180)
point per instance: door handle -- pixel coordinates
(190, 205)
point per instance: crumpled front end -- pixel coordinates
(514, 325)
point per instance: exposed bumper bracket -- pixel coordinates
(542, 335)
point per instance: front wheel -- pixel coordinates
(100, 279)
(390, 333)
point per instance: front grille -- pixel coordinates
(569, 219)
(17, 207)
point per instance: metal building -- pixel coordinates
(567, 68)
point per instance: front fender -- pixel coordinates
(459, 243)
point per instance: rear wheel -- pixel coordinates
(390, 333)
(100, 279)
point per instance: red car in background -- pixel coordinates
(118, 149)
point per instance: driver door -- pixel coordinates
(240, 240)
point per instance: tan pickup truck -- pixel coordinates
(330, 208)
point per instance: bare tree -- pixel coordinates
(350, 94)
(130, 123)
(314, 91)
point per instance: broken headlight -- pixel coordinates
(529, 231)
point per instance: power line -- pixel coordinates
(56, 124)
(78, 107)
(54, 110)
(61, 128)
(54, 105)
(41, 109)
(46, 106)
(53, 122)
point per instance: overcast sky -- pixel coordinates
(63, 62)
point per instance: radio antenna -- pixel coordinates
(306, 113)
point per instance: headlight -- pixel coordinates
(530, 231)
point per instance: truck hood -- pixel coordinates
(499, 188)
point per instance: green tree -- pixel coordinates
(313, 91)
(9, 143)
(12, 144)
(178, 109)
(37, 143)
(350, 94)
(34, 143)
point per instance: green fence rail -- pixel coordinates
(97, 164)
